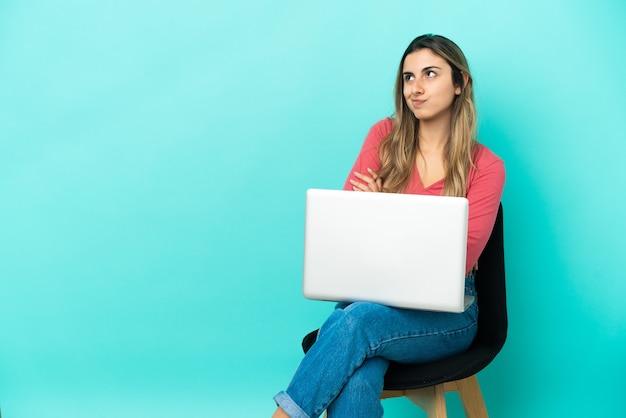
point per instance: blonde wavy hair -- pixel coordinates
(398, 150)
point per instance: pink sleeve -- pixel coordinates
(368, 157)
(484, 194)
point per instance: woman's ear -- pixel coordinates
(458, 89)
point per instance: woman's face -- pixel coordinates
(427, 85)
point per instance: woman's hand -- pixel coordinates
(371, 183)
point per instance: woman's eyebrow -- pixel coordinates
(430, 68)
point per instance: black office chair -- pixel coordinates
(425, 384)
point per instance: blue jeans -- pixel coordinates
(343, 371)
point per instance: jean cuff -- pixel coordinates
(287, 404)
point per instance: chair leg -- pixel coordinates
(472, 398)
(431, 399)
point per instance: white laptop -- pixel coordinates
(399, 250)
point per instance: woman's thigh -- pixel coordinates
(405, 335)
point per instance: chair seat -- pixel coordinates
(400, 376)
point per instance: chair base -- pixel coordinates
(432, 398)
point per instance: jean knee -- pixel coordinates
(355, 319)
(363, 314)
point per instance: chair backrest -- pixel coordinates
(491, 288)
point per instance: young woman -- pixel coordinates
(428, 147)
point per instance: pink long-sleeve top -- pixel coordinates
(484, 187)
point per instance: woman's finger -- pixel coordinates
(371, 183)
(359, 187)
(368, 179)
(378, 182)
(368, 184)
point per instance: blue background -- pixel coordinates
(153, 163)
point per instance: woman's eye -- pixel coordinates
(408, 77)
(430, 74)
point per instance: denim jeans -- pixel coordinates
(343, 371)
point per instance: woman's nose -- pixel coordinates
(416, 88)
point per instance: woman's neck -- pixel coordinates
(433, 136)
